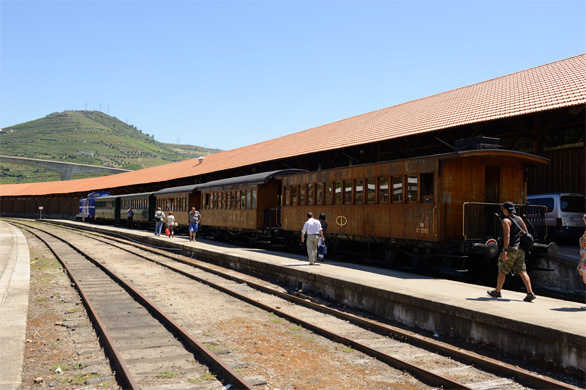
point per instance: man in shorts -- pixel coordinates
(512, 258)
(194, 218)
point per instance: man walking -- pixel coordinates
(314, 231)
(129, 216)
(194, 218)
(159, 221)
(512, 257)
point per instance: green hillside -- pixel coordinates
(85, 137)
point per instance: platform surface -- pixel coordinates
(14, 293)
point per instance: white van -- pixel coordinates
(565, 213)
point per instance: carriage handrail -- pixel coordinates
(479, 221)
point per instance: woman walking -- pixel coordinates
(171, 223)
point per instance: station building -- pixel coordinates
(539, 111)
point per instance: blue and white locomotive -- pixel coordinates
(87, 206)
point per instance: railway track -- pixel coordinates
(142, 342)
(436, 364)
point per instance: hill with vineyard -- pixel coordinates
(85, 137)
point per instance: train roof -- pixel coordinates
(258, 178)
(123, 195)
(525, 158)
(547, 87)
(511, 155)
(170, 190)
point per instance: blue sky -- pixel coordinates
(226, 74)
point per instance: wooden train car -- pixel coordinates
(441, 207)
(179, 200)
(143, 206)
(112, 209)
(425, 205)
(246, 206)
(107, 209)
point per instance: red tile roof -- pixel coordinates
(555, 85)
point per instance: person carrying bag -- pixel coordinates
(527, 240)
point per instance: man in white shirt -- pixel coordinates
(314, 231)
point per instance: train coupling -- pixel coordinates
(545, 250)
(490, 248)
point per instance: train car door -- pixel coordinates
(492, 175)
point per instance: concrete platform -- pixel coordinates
(548, 331)
(14, 292)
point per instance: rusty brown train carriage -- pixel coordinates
(243, 204)
(179, 200)
(416, 202)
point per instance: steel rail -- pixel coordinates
(221, 369)
(121, 371)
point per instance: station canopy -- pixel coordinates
(552, 86)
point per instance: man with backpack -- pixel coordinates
(512, 258)
(159, 220)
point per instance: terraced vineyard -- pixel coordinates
(85, 137)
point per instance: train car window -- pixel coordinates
(348, 191)
(383, 190)
(302, 195)
(329, 193)
(319, 193)
(359, 191)
(248, 199)
(411, 188)
(243, 199)
(294, 195)
(397, 189)
(310, 194)
(287, 196)
(337, 192)
(253, 199)
(370, 190)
